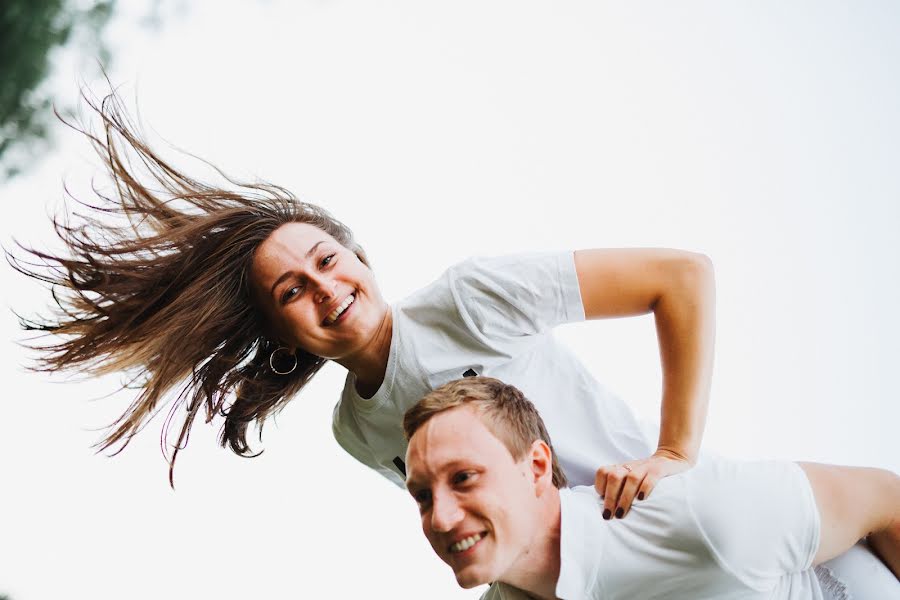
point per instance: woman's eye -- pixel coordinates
(289, 294)
(327, 260)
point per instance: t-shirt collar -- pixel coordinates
(578, 553)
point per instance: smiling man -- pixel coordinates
(494, 507)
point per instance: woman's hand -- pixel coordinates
(679, 289)
(620, 484)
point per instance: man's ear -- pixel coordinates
(541, 458)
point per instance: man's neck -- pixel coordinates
(537, 571)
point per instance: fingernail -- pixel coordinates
(619, 512)
(607, 514)
(640, 495)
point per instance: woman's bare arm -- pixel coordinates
(678, 287)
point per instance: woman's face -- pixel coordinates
(318, 295)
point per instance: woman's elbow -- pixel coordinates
(694, 273)
(700, 264)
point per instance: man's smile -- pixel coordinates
(466, 543)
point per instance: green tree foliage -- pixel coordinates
(30, 31)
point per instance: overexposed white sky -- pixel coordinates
(763, 134)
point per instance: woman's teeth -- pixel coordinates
(340, 309)
(467, 543)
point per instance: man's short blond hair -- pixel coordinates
(505, 411)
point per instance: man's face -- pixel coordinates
(478, 505)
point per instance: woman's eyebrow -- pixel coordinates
(284, 276)
(313, 249)
(287, 274)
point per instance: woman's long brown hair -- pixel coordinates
(154, 281)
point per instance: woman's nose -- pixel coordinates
(323, 288)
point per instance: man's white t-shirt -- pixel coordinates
(727, 530)
(493, 317)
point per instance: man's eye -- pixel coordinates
(423, 497)
(463, 477)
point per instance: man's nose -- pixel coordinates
(446, 513)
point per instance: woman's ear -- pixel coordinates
(280, 343)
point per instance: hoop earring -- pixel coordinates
(272, 361)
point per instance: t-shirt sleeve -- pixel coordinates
(759, 518)
(511, 297)
(347, 435)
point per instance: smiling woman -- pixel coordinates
(322, 297)
(148, 270)
(267, 288)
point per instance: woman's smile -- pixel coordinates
(340, 312)
(319, 295)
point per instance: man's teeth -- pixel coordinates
(467, 543)
(337, 312)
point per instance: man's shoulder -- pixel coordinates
(581, 498)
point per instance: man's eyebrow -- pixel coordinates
(456, 463)
(414, 482)
(412, 485)
(287, 274)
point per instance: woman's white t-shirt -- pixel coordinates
(493, 317)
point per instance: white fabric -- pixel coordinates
(493, 316)
(716, 531)
(857, 574)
